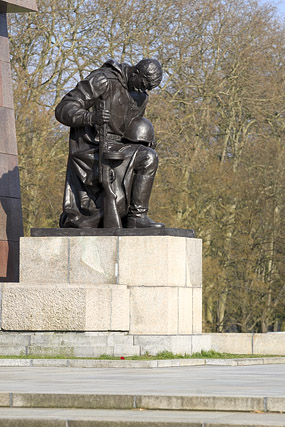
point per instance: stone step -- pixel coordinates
(94, 344)
(133, 418)
(261, 404)
(159, 363)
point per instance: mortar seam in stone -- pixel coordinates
(192, 303)
(185, 262)
(265, 404)
(117, 261)
(129, 289)
(177, 331)
(11, 400)
(135, 402)
(68, 260)
(1, 290)
(111, 310)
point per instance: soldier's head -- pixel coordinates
(146, 75)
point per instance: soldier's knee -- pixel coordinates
(151, 156)
(146, 161)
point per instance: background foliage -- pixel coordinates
(219, 118)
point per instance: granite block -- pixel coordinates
(4, 254)
(43, 308)
(120, 314)
(126, 350)
(92, 259)
(275, 341)
(13, 6)
(197, 310)
(120, 339)
(201, 342)
(4, 399)
(1, 81)
(62, 307)
(9, 176)
(6, 350)
(276, 404)
(4, 46)
(185, 311)
(153, 344)
(194, 262)
(98, 308)
(153, 310)
(181, 344)
(107, 308)
(67, 339)
(8, 142)
(7, 90)
(152, 261)
(93, 351)
(4, 180)
(232, 343)
(11, 225)
(14, 339)
(178, 344)
(44, 260)
(9, 266)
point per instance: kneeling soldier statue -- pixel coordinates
(112, 162)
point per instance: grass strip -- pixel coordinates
(164, 355)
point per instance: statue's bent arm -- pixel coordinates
(73, 110)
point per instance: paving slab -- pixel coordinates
(102, 418)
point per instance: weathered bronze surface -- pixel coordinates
(152, 231)
(112, 162)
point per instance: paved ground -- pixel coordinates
(263, 380)
(214, 381)
(130, 418)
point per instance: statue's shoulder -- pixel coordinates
(111, 69)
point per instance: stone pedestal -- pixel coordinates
(11, 225)
(143, 285)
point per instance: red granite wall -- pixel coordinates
(11, 225)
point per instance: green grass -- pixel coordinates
(211, 354)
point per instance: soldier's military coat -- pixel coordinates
(83, 196)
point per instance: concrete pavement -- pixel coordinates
(196, 396)
(133, 418)
(258, 380)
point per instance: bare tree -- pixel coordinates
(219, 121)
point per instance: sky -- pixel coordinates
(280, 5)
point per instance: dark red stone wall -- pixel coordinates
(11, 224)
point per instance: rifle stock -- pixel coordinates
(111, 215)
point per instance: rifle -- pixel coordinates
(111, 215)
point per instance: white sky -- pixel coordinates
(280, 4)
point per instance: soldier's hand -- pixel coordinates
(101, 117)
(152, 145)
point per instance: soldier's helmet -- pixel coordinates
(140, 131)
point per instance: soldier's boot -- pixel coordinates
(140, 195)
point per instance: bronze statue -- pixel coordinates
(112, 162)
